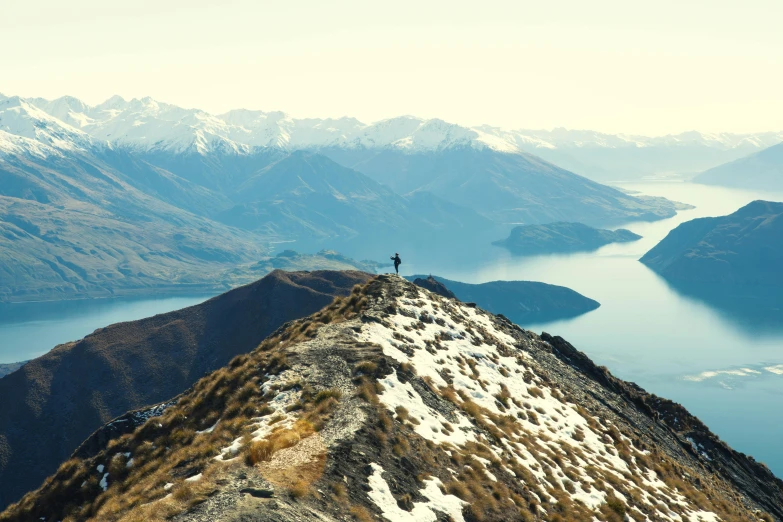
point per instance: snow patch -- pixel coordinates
(382, 497)
(428, 423)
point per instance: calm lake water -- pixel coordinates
(722, 359)
(28, 330)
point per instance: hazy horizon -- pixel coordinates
(608, 66)
(349, 116)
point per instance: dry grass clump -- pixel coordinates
(402, 413)
(401, 446)
(339, 492)
(367, 389)
(361, 514)
(300, 489)
(365, 368)
(259, 451)
(332, 393)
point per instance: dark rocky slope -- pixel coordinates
(744, 248)
(433, 285)
(524, 302)
(561, 237)
(54, 402)
(399, 404)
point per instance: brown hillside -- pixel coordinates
(398, 404)
(54, 402)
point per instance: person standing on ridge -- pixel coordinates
(397, 261)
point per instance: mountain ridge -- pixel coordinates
(762, 170)
(243, 128)
(347, 414)
(745, 248)
(46, 412)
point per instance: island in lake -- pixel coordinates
(561, 237)
(523, 302)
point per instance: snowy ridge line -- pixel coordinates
(455, 346)
(394, 403)
(146, 124)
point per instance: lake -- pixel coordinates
(721, 360)
(28, 330)
(723, 363)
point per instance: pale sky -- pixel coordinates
(648, 67)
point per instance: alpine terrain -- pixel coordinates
(397, 404)
(52, 403)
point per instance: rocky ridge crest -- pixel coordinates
(398, 404)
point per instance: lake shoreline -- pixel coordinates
(184, 290)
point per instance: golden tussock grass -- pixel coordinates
(361, 514)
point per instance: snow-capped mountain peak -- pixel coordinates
(20, 118)
(148, 124)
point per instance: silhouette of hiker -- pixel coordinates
(397, 261)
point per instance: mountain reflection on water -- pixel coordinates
(757, 310)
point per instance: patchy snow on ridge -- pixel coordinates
(382, 496)
(452, 345)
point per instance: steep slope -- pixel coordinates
(505, 187)
(54, 402)
(397, 404)
(762, 171)
(73, 226)
(220, 171)
(561, 237)
(307, 194)
(745, 247)
(523, 302)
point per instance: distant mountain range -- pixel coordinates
(146, 124)
(7, 368)
(561, 237)
(140, 196)
(744, 248)
(761, 170)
